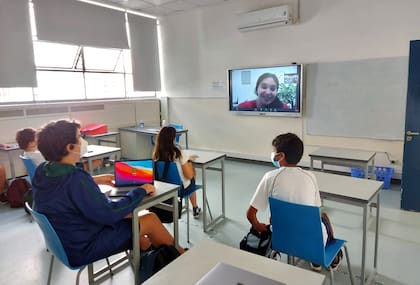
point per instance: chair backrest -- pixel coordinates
(52, 241)
(297, 230)
(172, 176)
(177, 127)
(29, 165)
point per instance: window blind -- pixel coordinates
(80, 23)
(144, 53)
(17, 67)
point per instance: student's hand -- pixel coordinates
(150, 189)
(192, 157)
(105, 179)
(260, 227)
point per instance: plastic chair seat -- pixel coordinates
(297, 232)
(173, 177)
(55, 247)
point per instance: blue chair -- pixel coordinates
(297, 232)
(29, 165)
(173, 177)
(54, 245)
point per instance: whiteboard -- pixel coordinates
(364, 98)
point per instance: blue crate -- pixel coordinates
(384, 174)
(357, 172)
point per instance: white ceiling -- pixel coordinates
(161, 7)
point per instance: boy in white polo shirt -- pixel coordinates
(289, 183)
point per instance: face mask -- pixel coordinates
(275, 162)
(83, 147)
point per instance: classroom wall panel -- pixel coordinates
(199, 46)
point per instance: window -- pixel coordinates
(68, 72)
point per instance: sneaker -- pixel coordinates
(315, 267)
(3, 198)
(337, 260)
(196, 212)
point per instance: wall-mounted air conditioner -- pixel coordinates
(281, 15)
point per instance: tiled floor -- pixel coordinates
(24, 259)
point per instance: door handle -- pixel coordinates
(410, 133)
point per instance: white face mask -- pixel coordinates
(83, 147)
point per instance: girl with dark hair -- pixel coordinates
(166, 150)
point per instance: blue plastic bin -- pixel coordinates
(357, 172)
(384, 174)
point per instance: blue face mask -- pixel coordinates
(275, 162)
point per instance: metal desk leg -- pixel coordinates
(375, 258)
(367, 171)
(136, 251)
(362, 275)
(90, 166)
(222, 163)
(203, 173)
(175, 221)
(312, 163)
(186, 140)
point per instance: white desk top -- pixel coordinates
(152, 130)
(191, 266)
(347, 187)
(95, 150)
(343, 153)
(103, 135)
(204, 156)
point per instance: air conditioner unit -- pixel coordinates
(265, 18)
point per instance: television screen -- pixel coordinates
(275, 90)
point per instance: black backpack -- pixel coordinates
(154, 260)
(255, 242)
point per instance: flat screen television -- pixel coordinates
(272, 91)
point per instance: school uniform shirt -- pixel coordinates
(291, 184)
(179, 162)
(89, 224)
(36, 156)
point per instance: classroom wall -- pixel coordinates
(199, 46)
(115, 114)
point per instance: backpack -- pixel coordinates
(16, 192)
(154, 260)
(255, 242)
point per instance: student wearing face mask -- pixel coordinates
(89, 224)
(289, 183)
(266, 89)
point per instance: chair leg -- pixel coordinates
(348, 264)
(187, 204)
(331, 276)
(78, 277)
(51, 268)
(109, 266)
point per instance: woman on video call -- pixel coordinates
(266, 90)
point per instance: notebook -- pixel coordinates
(226, 274)
(133, 172)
